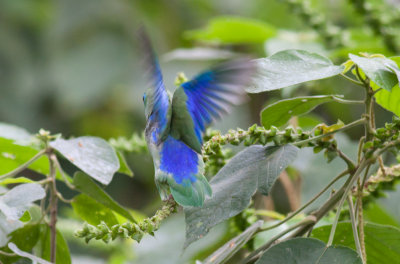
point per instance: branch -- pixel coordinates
(354, 227)
(345, 127)
(53, 207)
(23, 166)
(290, 216)
(257, 253)
(128, 230)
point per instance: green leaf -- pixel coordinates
(382, 71)
(231, 29)
(123, 166)
(225, 252)
(13, 155)
(26, 217)
(389, 100)
(373, 212)
(24, 254)
(307, 251)
(92, 155)
(309, 121)
(92, 211)
(290, 67)
(255, 168)
(15, 202)
(83, 183)
(381, 242)
(13, 132)
(25, 238)
(16, 180)
(62, 251)
(279, 113)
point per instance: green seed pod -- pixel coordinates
(272, 131)
(263, 139)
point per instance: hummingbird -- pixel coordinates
(175, 124)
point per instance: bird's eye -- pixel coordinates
(144, 97)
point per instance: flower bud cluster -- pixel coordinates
(127, 230)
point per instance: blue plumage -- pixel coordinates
(179, 160)
(174, 129)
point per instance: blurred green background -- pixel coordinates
(73, 67)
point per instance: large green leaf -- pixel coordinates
(279, 113)
(389, 100)
(230, 29)
(308, 251)
(93, 155)
(13, 155)
(376, 214)
(224, 253)
(83, 183)
(255, 168)
(25, 238)
(382, 243)
(92, 211)
(62, 251)
(16, 201)
(382, 71)
(289, 67)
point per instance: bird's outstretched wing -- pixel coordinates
(157, 100)
(207, 97)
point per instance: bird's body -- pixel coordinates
(175, 126)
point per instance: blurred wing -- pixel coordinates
(199, 102)
(158, 97)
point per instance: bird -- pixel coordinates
(175, 123)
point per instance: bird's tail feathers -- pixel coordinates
(191, 193)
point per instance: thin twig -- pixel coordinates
(65, 200)
(345, 127)
(8, 254)
(23, 166)
(53, 208)
(344, 101)
(360, 147)
(307, 203)
(257, 253)
(351, 79)
(354, 227)
(347, 186)
(345, 158)
(63, 174)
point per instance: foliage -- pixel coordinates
(55, 189)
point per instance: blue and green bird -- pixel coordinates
(175, 124)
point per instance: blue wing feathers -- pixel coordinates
(212, 93)
(159, 94)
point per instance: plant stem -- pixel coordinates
(53, 207)
(345, 127)
(361, 226)
(257, 253)
(354, 227)
(332, 201)
(345, 158)
(347, 186)
(23, 166)
(63, 174)
(351, 79)
(306, 204)
(8, 254)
